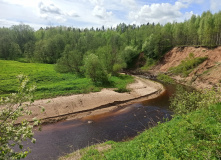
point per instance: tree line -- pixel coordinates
(85, 50)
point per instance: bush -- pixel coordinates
(94, 70)
(12, 134)
(70, 62)
(184, 102)
(122, 90)
(165, 78)
(149, 63)
(117, 68)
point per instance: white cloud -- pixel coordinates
(7, 23)
(88, 13)
(101, 12)
(158, 13)
(50, 9)
(215, 5)
(72, 13)
(129, 3)
(52, 13)
(97, 2)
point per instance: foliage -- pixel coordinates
(165, 78)
(11, 134)
(46, 45)
(149, 63)
(184, 102)
(120, 82)
(71, 61)
(128, 54)
(192, 136)
(186, 66)
(95, 70)
(49, 82)
(117, 68)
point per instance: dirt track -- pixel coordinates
(77, 106)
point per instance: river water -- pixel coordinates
(60, 138)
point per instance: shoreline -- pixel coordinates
(82, 105)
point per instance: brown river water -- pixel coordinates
(64, 137)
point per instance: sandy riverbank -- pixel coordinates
(78, 106)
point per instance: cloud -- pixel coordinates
(129, 3)
(52, 13)
(101, 13)
(51, 9)
(215, 5)
(7, 23)
(72, 13)
(157, 13)
(97, 2)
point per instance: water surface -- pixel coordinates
(58, 139)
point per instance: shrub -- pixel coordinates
(117, 68)
(149, 63)
(165, 78)
(184, 102)
(12, 134)
(122, 90)
(94, 70)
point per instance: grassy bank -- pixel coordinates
(196, 135)
(49, 82)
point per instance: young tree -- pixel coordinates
(11, 134)
(94, 69)
(71, 61)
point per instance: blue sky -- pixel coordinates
(95, 13)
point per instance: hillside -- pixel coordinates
(206, 75)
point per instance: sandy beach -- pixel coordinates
(81, 105)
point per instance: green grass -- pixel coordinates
(165, 78)
(49, 82)
(187, 65)
(196, 135)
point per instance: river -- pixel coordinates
(64, 137)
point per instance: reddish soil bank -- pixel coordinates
(206, 75)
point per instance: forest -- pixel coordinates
(100, 52)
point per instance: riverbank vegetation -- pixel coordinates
(187, 65)
(193, 133)
(51, 83)
(165, 78)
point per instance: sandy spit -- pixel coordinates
(81, 105)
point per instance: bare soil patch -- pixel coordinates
(206, 75)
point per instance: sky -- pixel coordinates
(98, 13)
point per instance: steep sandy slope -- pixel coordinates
(206, 75)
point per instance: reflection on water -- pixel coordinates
(64, 137)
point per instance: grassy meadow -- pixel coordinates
(49, 82)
